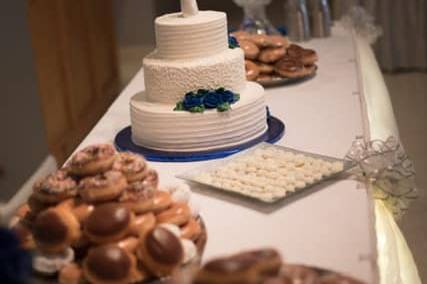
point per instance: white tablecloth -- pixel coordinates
(334, 226)
(331, 228)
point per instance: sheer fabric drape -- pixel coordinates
(403, 45)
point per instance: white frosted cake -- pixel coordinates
(193, 54)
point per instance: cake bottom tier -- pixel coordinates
(158, 126)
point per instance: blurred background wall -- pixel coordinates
(22, 140)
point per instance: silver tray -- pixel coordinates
(192, 174)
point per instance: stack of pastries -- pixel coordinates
(263, 266)
(268, 57)
(103, 219)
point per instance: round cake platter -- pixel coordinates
(283, 81)
(123, 142)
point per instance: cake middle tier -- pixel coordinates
(167, 81)
(158, 126)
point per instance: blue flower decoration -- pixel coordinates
(15, 263)
(221, 99)
(212, 100)
(232, 42)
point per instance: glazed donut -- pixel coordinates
(228, 271)
(71, 274)
(272, 54)
(300, 273)
(130, 244)
(279, 280)
(138, 197)
(23, 232)
(36, 206)
(179, 214)
(241, 35)
(55, 229)
(333, 278)
(151, 179)
(267, 262)
(108, 223)
(110, 264)
(261, 40)
(103, 187)
(160, 251)
(290, 68)
(307, 56)
(265, 68)
(264, 78)
(77, 207)
(143, 224)
(132, 166)
(252, 70)
(55, 188)
(92, 160)
(161, 201)
(279, 41)
(250, 49)
(191, 230)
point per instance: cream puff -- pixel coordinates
(102, 187)
(160, 251)
(92, 160)
(110, 264)
(55, 188)
(131, 165)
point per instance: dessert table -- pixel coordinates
(334, 226)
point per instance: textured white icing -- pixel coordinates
(157, 126)
(167, 81)
(179, 37)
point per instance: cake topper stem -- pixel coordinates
(189, 8)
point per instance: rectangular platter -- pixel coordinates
(268, 173)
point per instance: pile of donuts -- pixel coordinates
(263, 266)
(268, 57)
(103, 218)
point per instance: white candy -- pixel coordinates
(174, 229)
(190, 250)
(51, 264)
(182, 193)
(195, 208)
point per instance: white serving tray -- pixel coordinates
(192, 174)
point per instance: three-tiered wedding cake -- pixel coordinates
(193, 54)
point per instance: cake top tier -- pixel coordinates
(185, 37)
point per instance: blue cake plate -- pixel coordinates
(123, 142)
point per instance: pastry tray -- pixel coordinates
(192, 174)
